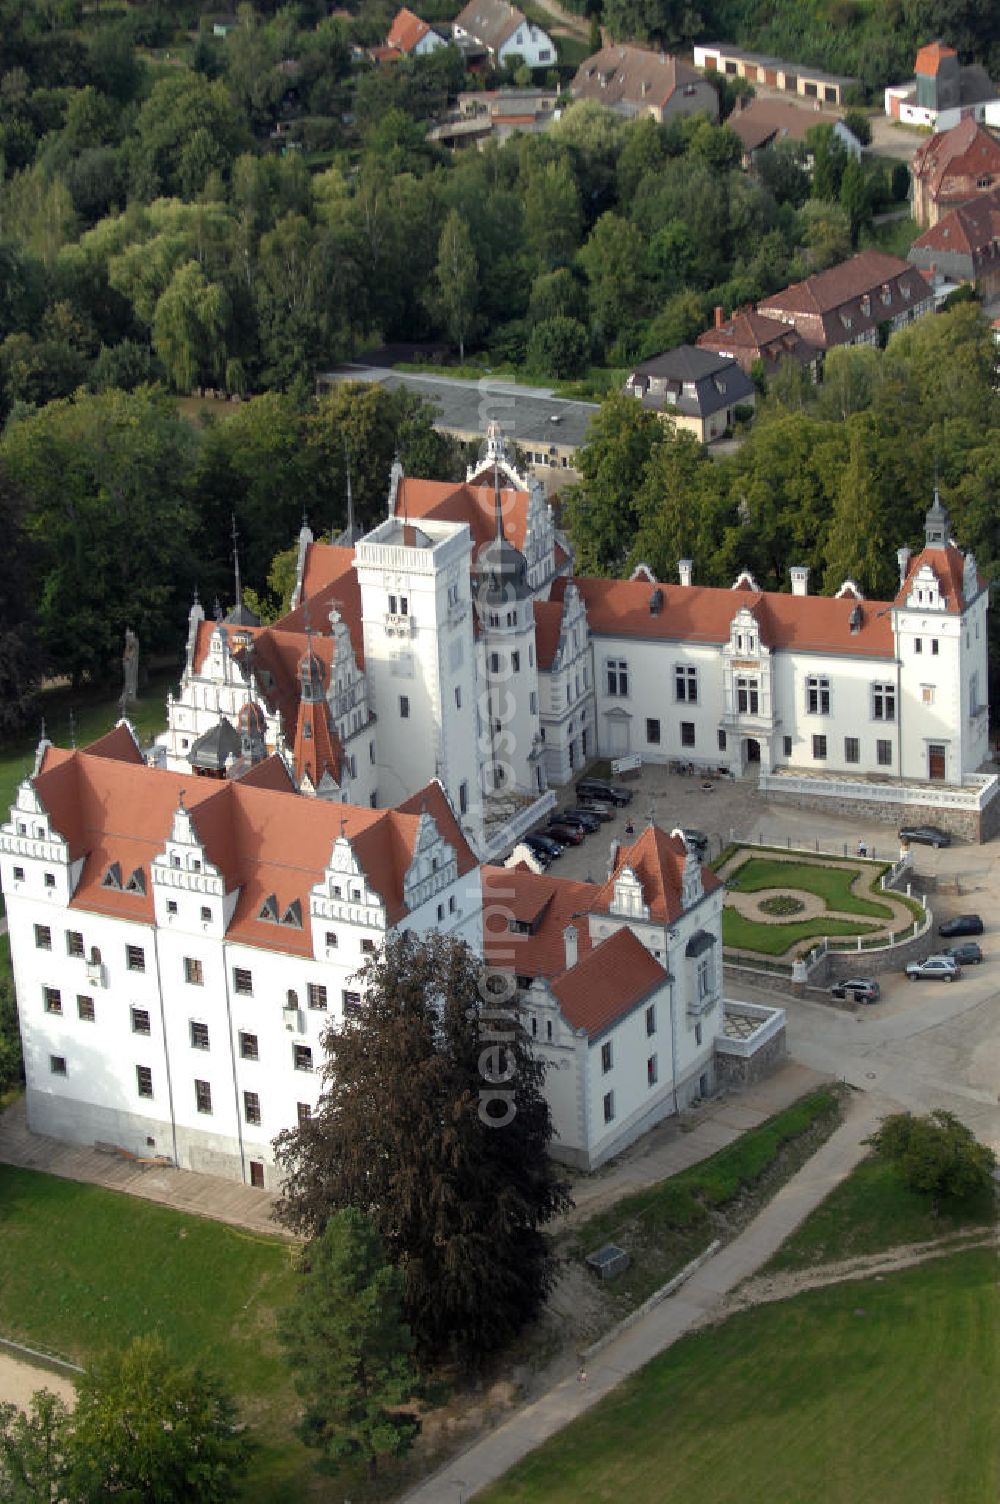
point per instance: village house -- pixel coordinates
(504, 33)
(698, 389)
(634, 81)
(942, 91)
(952, 168)
(964, 245)
(854, 302)
(764, 123)
(752, 340)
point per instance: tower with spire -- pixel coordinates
(240, 615)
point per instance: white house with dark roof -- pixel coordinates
(504, 32)
(699, 390)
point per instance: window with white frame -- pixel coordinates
(748, 695)
(617, 672)
(686, 684)
(706, 976)
(817, 695)
(884, 702)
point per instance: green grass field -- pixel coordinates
(667, 1224)
(739, 933)
(835, 885)
(872, 1210)
(875, 1392)
(83, 1270)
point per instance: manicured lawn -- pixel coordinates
(667, 1224)
(83, 1269)
(872, 1210)
(835, 885)
(775, 939)
(875, 1392)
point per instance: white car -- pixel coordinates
(934, 969)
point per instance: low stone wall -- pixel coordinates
(873, 963)
(967, 824)
(745, 1070)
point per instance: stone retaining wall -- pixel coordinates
(967, 824)
(873, 963)
(747, 1070)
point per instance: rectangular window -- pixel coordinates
(934, 647)
(50, 879)
(57, 1065)
(303, 1057)
(883, 702)
(786, 745)
(852, 749)
(463, 798)
(918, 644)
(697, 1034)
(194, 972)
(722, 741)
(404, 707)
(74, 943)
(706, 977)
(203, 1096)
(352, 1004)
(331, 939)
(206, 914)
(367, 947)
(653, 731)
(687, 733)
(817, 695)
(251, 1108)
(140, 1021)
(686, 685)
(53, 999)
(515, 663)
(135, 958)
(617, 671)
(747, 696)
(43, 937)
(652, 1071)
(927, 694)
(243, 981)
(392, 606)
(316, 995)
(606, 1056)
(609, 1106)
(248, 1047)
(819, 748)
(651, 1020)
(85, 1009)
(199, 1036)
(303, 1112)
(144, 1080)
(171, 906)
(883, 754)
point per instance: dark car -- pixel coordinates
(925, 835)
(966, 954)
(543, 847)
(596, 807)
(860, 989)
(581, 817)
(962, 924)
(566, 834)
(610, 793)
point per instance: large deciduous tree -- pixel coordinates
(601, 510)
(20, 651)
(936, 1154)
(457, 275)
(433, 1124)
(189, 327)
(349, 1347)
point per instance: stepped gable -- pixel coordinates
(657, 859)
(702, 613)
(264, 840)
(615, 977)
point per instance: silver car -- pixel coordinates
(934, 969)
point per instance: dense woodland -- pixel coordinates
(179, 211)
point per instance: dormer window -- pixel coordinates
(137, 882)
(293, 915)
(269, 910)
(113, 877)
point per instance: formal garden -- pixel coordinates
(778, 902)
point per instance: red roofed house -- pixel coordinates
(635, 81)
(850, 303)
(952, 168)
(180, 944)
(748, 337)
(409, 36)
(619, 985)
(964, 245)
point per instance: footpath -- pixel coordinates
(697, 1301)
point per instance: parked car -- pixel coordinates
(565, 833)
(962, 924)
(596, 807)
(544, 847)
(610, 793)
(696, 839)
(581, 817)
(925, 835)
(934, 969)
(861, 989)
(966, 954)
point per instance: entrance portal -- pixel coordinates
(751, 750)
(936, 762)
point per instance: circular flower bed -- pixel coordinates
(781, 905)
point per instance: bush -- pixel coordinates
(558, 348)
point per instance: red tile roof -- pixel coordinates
(406, 31)
(930, 58)
(263, 839)
(748, 336)
(607, 983)
(636, 75)
(818, 306)
(472, 504)
(548, 625)
(967, 150)
(657, 859)
(701, 613)
(548, 905)
(948, 565)
(971, 229)
(764, 119)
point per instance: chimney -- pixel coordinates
(903, 560)
(570, 939)
(800, 579)
(685, 569)
(720, 317)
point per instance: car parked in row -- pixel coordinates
(609, 793)
(967, 953)
(858, 989)
(581, 817)
(543, 848)
(961, 924)
(565, 833)
(934, 969)
(925, 835)
(596, 807)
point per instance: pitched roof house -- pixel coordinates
(768, 122)
(503, 32)
(409, 36)
(634, 81)
(848, 303)
(953, 167)
(964, 245)
(699, 389)
(748, 337)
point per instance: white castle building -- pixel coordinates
(454, 642)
